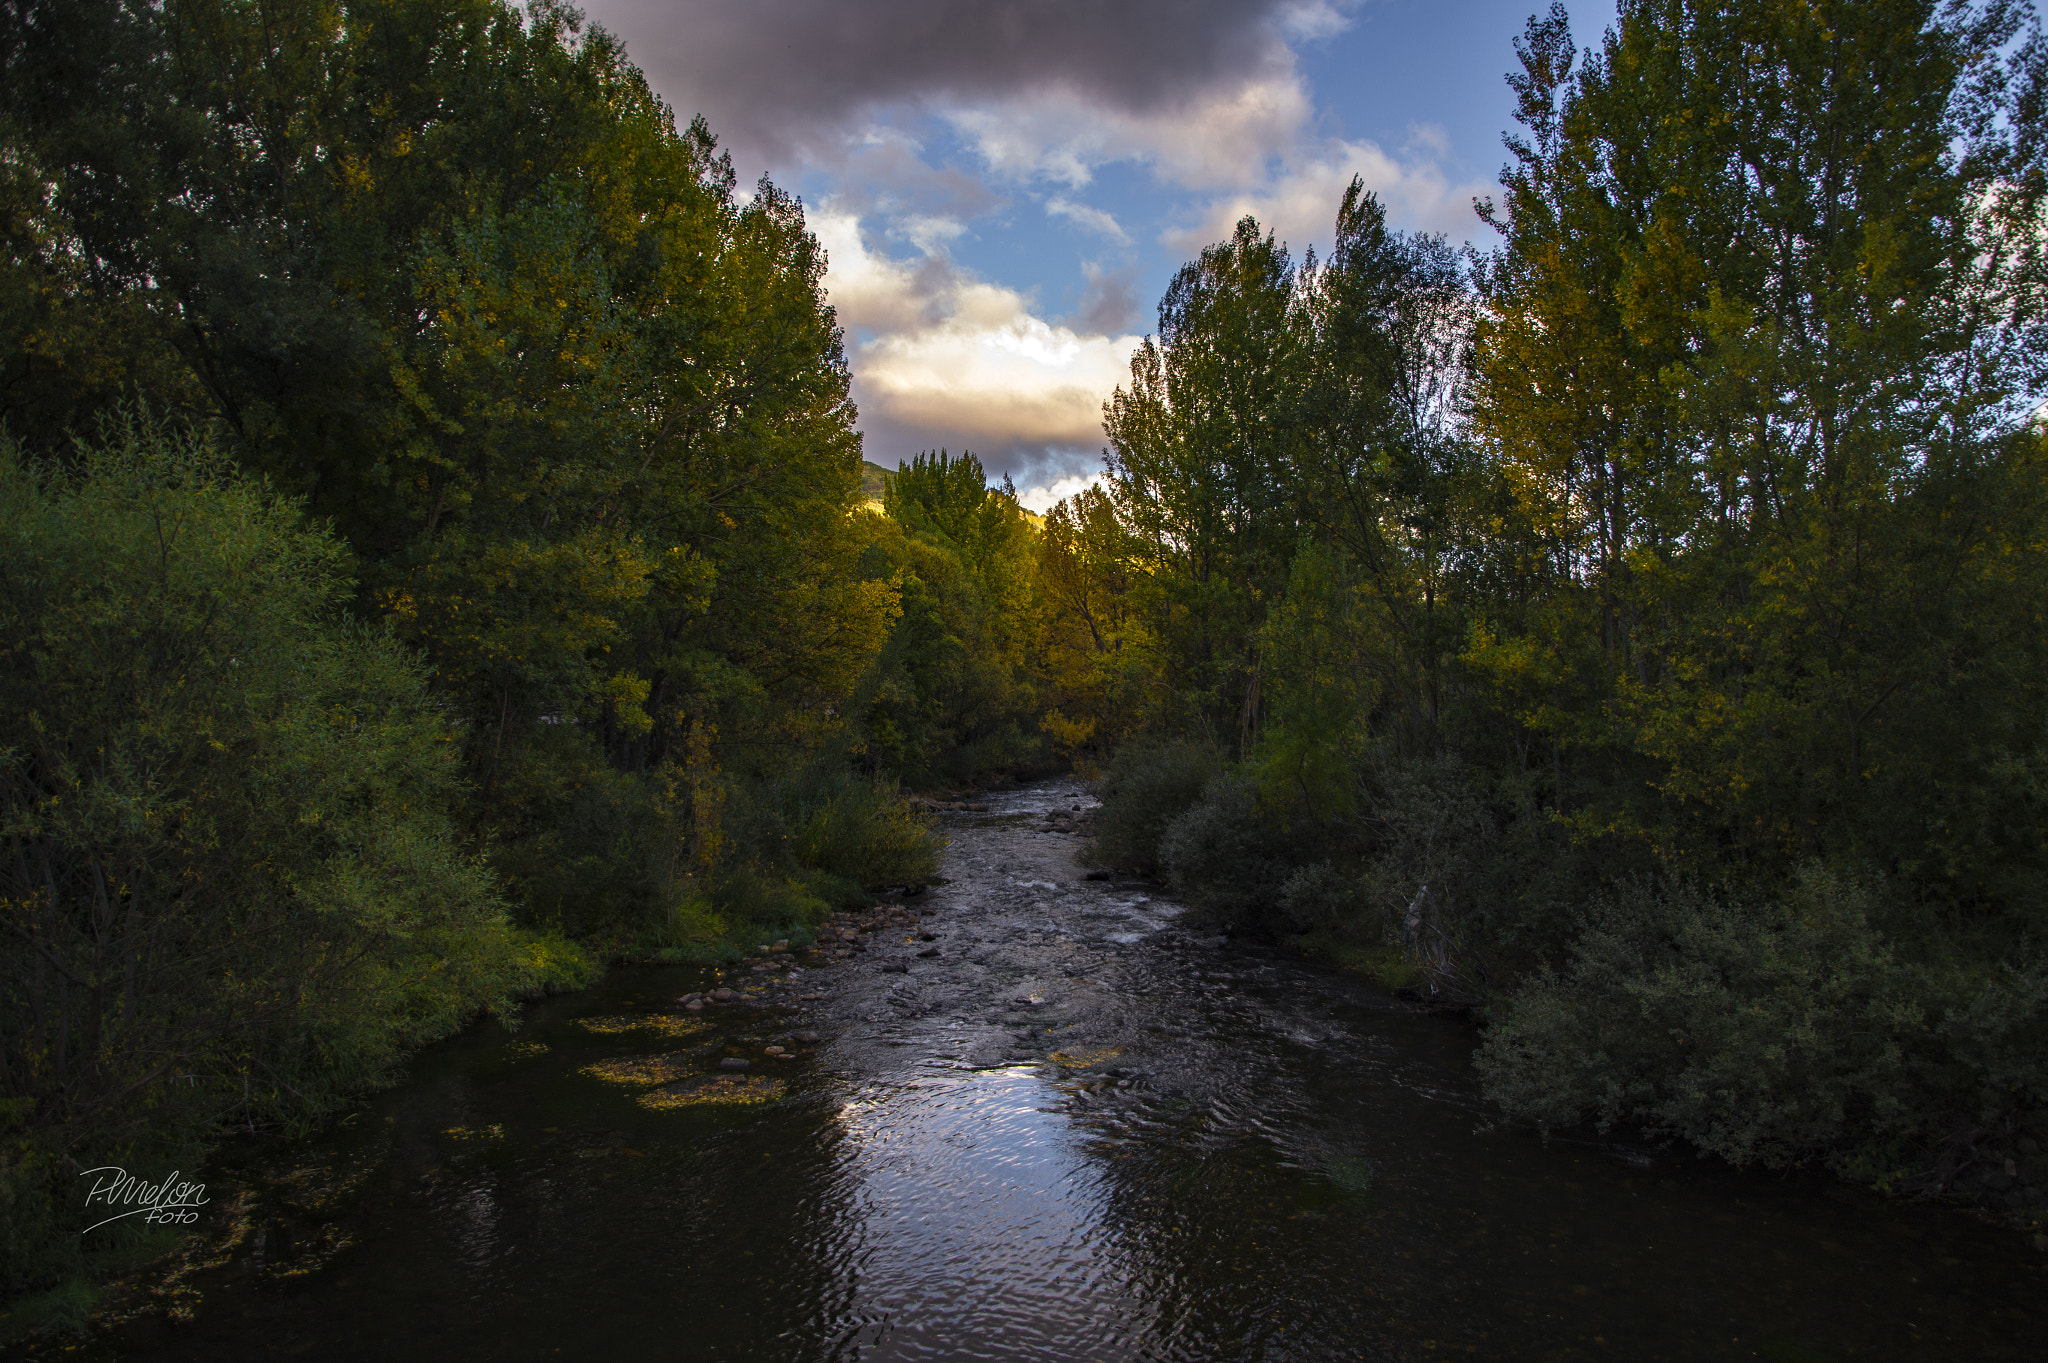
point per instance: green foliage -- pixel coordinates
(1771, 1031)
(1093, 657)
(232, 880)
(1196, 475)
(1150, 784)
(1230, 862)
(951, 694)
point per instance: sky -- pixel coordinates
(1006, 187)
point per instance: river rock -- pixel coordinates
(721, 996)
(733, 1063)
(1097, 874)
(806, 1038)
(929, 951)
(895, 967)
(694, 1006)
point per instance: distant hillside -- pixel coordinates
(873, 478)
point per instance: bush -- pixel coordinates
(1150, 784)
(1766, 1031)
(1324, 898)
(224, 805)
(791, 849)
(854, 828)
(1230, 865)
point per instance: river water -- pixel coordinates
(1079, 1131)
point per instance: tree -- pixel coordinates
(1202, 448)
(229, 871)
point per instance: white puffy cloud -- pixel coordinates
(1040, 497)
(941, 357)
(1299, 202)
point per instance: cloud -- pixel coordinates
(1221, 133)
(779, 77)
(941, 357)
(1041, 496)
(883, 170)
(1094, 219)
(1109, 303)
(1300, 202)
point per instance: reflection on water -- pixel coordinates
(981, 1229)
(1080, 1132)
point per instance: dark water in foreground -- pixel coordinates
(1241, 1157)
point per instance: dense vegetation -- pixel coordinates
(436, 556)
(1636, 633)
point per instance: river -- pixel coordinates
(1079, 1131)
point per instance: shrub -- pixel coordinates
(225, 807)
(1765, 1030)
(1324, 898)
(1150, 784)
(1230, 865)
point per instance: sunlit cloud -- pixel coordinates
(941, 357)
(1042, 497)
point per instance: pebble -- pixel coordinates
(693, 1006)
(927, 937)
(732, 1062)
(721, 996)
(772, 1050)
(897, 967)
(929, 951)
(806, 1038)
(1096, 875)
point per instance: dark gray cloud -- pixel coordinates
(777, 78)
(1109, 302)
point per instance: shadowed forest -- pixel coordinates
(437, 559)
